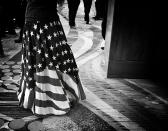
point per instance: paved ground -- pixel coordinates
(111, 104)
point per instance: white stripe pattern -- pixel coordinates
(21, 93)
(49, 73)
(48, 110)
(26, 97)
(71, 83)
(45, 97)
(49, 87)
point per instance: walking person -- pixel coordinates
(49, 83)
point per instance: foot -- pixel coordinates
(73, 103)
(102, 45)
(102, 48)
(87, 22)
(73, 27)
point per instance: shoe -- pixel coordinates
(88, 23)
(18, 41)
(73, 27)
(102, 48)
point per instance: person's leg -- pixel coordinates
(70, 13)
(73, 7)
(87, 7)
(98, 7)
(101, 7)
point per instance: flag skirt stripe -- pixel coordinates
(46, 79)
(49, 88)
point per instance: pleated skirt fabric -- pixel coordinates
(49, 70)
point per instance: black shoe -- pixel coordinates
(87, 22)
(102, 48)
(73, 27)
(18, 41)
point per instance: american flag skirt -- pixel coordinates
(49, 71)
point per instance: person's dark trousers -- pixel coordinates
(73, 7)
(104, 21)
(99, 9)
(87, 7)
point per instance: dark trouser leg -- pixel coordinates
(87, 5)
(98, 6)
(73, 7)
